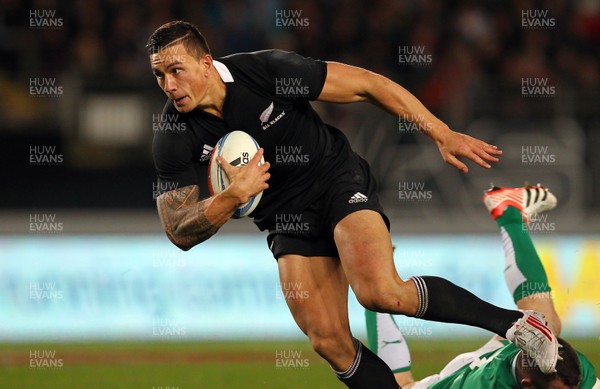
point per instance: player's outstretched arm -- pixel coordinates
(348, 84)
(188, 220)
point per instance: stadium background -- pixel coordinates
(93, 295)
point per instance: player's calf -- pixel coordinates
(335, 345)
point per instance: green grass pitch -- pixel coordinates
(199, 365)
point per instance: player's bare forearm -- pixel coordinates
(187, 220)
(348, 84)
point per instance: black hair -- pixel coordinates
(178, 31)
(568, 369)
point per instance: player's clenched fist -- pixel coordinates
(246, 181)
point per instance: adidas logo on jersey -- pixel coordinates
(358, 198)
(206, 152)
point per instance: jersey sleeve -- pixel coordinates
(296, 76)
(173, 161)
(588, 374)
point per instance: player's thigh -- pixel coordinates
(365, 248)
(316, 292)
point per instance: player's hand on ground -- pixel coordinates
(249, 180)
(454, 145)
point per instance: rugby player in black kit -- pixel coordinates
(347, 241)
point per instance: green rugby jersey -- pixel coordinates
(494, 370)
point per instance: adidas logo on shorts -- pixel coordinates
(358, 198)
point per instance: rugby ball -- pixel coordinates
(237, 148)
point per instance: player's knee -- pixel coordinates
(384, 303)
(369, 300)
(384, 298)
(331, 343)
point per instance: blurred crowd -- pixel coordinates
(479, 51)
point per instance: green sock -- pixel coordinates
(523, 271)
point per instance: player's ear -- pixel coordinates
(206, 61)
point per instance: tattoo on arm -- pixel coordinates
(182, 215)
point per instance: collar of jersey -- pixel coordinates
(223, 71)
(514, 368)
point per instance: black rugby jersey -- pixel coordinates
(267, 96)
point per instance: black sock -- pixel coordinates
(367, 371)
(441, 300)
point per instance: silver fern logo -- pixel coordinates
(266, 114)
